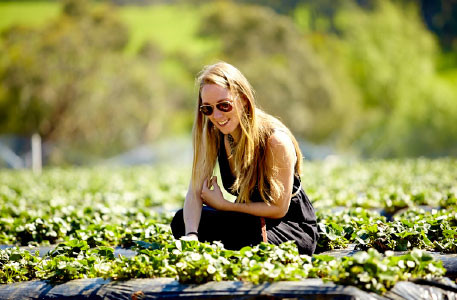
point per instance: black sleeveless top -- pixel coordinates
(299, 223)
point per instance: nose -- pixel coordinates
(217, 114)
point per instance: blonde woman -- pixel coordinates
(260, 163)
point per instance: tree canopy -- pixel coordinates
(365, 78)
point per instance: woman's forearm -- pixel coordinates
(259, 209)
(192, 212)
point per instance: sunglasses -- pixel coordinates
(224, 106)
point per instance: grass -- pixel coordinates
(171, 27)
(27, 13)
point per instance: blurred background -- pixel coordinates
(114, 81)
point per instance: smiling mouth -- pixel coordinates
(223, 123)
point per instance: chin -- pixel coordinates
(224, 130)
(228, 130)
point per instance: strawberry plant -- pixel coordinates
(84, 213)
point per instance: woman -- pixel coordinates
(259, 162)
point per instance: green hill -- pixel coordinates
(171, 27)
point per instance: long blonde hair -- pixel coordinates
(251, 170)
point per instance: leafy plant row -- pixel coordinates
(90, 211)
(97, 226)
(389, 185)
(434, 230)
(114, 206)
(195, 262)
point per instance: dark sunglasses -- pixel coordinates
(224, 106)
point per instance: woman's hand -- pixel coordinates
(214, 197)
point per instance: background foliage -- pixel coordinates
(371, 78)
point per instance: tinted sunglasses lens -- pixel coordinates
(206, 109)
(224, 106)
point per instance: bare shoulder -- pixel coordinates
(281, 146)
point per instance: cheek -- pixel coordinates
(219, 115)
(234, 116)
(213, 121)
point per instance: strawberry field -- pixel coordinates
(394, 215)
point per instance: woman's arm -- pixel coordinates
(280, 155)
(192, 211)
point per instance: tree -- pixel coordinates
(290, 80)
(71, 82)
(390, 55)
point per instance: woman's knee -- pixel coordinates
(177, 224)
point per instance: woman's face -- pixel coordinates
(212, 94)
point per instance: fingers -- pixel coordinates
(205, 189)
(205, 184)
(214, 183)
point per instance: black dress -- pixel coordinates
(236, 230)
